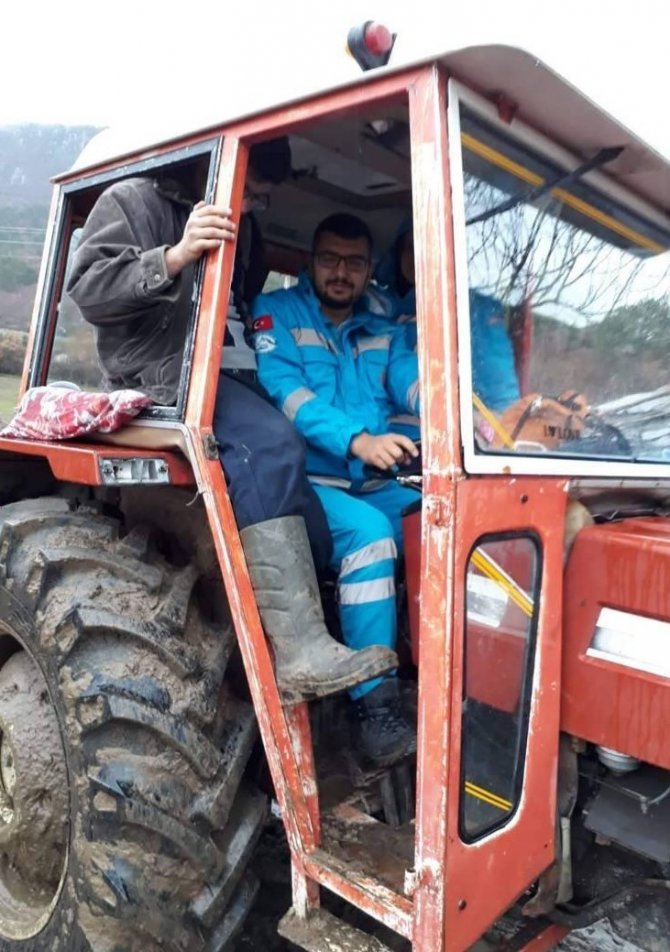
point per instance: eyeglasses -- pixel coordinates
(330, 260)
(256, 201)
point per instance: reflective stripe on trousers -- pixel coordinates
(367, 535)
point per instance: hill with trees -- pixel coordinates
(625, 352)
(30, 155)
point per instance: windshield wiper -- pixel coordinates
(565, 178)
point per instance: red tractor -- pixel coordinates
(537, 565)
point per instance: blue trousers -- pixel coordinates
(263, 457)
(366, 528)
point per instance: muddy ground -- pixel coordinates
(274, 898)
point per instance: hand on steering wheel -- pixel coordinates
(411, 467)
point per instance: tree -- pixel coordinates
(16, 273)
(569, 266)
(637, 328)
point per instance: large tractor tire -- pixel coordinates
(126, 821)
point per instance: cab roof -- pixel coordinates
(541, 97)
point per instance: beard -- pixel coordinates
(340, 302)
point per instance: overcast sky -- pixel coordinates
(139, 61)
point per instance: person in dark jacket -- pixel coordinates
(132, 278)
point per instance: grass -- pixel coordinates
(9, 390)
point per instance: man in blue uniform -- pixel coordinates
(132, 278)
(392, 293)
(339, 373)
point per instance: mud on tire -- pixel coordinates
(161, 821)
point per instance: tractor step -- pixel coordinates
(324, 932)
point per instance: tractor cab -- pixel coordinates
(537, 305)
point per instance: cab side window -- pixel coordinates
(68, 347)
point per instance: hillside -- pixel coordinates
(626, 352)
(29, 156)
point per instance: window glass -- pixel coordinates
(501, 601)
(569, 303)
(74, 355)
(67, 350)
(277, 281)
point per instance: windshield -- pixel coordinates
(569, 302)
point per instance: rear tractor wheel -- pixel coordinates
(126, 824)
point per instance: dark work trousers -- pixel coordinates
(263, 457)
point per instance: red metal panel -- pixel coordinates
(436, 310)
(215, 293)
(546, 940)
(451, 908)
(306, 894)
(277, 738)
(284, 759)
(283, 734)
(510, 858)
(364, 891)
(79, 462)
(625, 566)
(379, 91)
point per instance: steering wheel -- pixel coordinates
(413, 468)
(599, 438)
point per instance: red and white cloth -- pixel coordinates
(57, 413)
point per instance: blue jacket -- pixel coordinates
(494, 377)
(331, 382)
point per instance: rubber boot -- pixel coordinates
(308, 662)
(382, 735)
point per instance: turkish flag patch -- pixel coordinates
(263, 323)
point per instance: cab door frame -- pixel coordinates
(461, 888)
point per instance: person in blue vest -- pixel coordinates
(393, 295)
(339, 374)
(392, 290)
